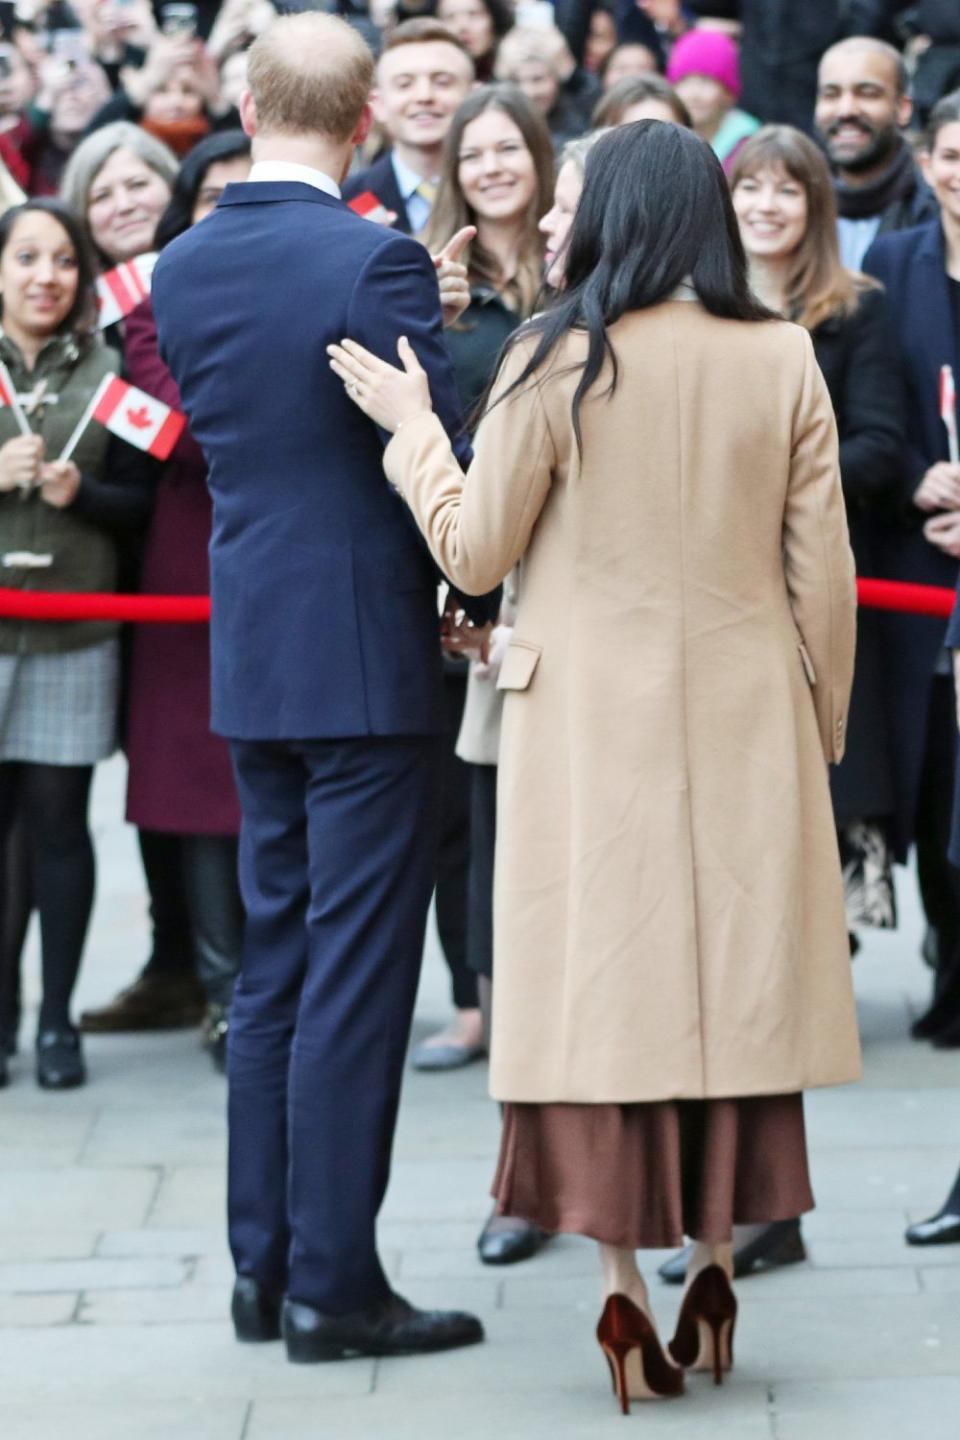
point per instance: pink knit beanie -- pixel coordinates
(706, 52)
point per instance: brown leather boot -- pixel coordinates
(152, 1002)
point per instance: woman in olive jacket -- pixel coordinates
(58, 681)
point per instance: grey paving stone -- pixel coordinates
(29, 1310)
(184, 1304)
(187, 1135)
(823, 1224)
(869, 1410)
(76, 1198)
(178, 1243)
(23, 1245)
(852, 1115)
(881, 1251)
(559, 1412)
(861, 1338)
(130, 1365)
(95, 1274)
(880, 1177)
(191, 1196)
(940, 1281)
(221, 1419)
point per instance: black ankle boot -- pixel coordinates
(60, 1060)
(255, 1313)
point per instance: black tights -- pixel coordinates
(50, 801)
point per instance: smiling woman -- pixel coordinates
(119, 181)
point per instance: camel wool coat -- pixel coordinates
(668, 915)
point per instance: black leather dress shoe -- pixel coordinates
(60, 1060)
(764, 1248)
(4, 1072)
(393, 1327)
(255, 1314)
(942, 1229)
(505, 1240)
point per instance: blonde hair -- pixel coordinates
(818, 285)
(310, 74)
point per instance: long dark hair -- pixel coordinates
(178, 216)
(655, 211)
(81, 317)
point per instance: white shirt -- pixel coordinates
(286, 170)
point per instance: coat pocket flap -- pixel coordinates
(807, 662)
(518, 666)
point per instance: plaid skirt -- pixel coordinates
(60, 709)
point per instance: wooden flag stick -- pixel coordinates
(86, 417)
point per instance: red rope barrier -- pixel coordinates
(195, 609)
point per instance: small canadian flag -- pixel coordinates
(120, 290)
(132, 415)
(371, 208)
(137, 417)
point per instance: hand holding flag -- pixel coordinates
(132, 415)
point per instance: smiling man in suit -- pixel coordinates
(327, 682)
(423, 75)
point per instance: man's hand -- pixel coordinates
(20, 462)
(940, 488)
(59, 483)
(944, 532)
(452, 275)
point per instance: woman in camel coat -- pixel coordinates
(670, 943)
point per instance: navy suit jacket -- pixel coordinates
(912, 266)
(324, 618)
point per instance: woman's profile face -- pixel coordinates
(496, 170)
(39, 274)
(555, 225)
(125, 201)
(941, 166)
(771, 209)
(471, 22)
(219, 175)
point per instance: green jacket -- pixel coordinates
(84, 558)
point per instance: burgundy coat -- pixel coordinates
(180, 775)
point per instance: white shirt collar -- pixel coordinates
(286, 170)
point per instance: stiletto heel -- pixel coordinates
(639, 1368)
(705, 1325)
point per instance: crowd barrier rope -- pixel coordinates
(195, 609)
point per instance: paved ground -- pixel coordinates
(114, 1276)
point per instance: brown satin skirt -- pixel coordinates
(643, 1176)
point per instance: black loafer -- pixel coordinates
(393, 1327)
(255, 1313)
(779, 1243)
(942, 1229)
(507, 1243)
(60, 1060)
(4, 1072)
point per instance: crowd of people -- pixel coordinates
(121, 126)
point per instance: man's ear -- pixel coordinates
(904, 111)
(923, 160)
(248, 114)
(376, 106)
(363, 126)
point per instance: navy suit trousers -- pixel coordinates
(337, 857)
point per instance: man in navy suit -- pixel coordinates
(327, 681)
(423, 75)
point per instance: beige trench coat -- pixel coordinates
(668, 906)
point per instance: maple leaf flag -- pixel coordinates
(137, 417)
(121, 289)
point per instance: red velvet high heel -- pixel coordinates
(639, 1368)
(704, 1335)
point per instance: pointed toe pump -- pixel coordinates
(638, 1366)
(704, 1336)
